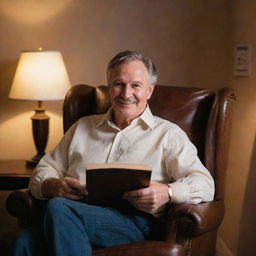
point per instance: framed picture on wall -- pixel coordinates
(242, 60)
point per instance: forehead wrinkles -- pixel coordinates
(130, 72)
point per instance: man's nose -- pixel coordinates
(126, 91)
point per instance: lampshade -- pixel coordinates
(41, 76)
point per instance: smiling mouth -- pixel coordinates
(127, 101)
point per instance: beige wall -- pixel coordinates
(186, 50)
(189, 40)
(239, 227)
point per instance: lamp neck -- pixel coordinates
(39, 112)
(39, 107)
(39, 104)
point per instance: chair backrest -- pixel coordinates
(204, 115)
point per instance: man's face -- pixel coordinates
(129, 90)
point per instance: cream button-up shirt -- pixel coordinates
(148, 139)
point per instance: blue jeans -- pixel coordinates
(74, 228)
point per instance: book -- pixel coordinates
(106, 183)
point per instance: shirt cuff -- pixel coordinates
(180, 192)
(35, 186)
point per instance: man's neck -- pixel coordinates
(121, 123)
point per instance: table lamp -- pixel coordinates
(40, 76)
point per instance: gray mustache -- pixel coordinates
(127, 101)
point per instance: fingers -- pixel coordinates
(149, 199)
(141, 199)
(72, 189)
(144, 191)
(67, 187)
(74, 183)
(137, 193)
(71, 196)
(143, 205)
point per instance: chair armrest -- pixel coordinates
(26, 208)
(192, 220)
(142, 248)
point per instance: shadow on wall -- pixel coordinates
(7, 71)
(247, 238)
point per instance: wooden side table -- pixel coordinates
(14, 174)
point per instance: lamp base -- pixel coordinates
(34, 161)
(40, 125)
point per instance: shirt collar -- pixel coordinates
(146, 117)
(106, 118)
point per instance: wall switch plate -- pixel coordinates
(242, 65)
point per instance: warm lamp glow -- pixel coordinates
(40, 75)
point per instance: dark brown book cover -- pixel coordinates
(106, 183)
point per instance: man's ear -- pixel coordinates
(151, 89)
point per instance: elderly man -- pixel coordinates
(128, 133)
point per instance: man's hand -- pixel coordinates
(149, 199)
(67, 187)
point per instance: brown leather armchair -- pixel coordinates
(206, 118)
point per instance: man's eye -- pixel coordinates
(118, 84)
(136, 85)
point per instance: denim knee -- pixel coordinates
(55, 205)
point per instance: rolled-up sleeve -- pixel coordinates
(191, 181)
(52, 165)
